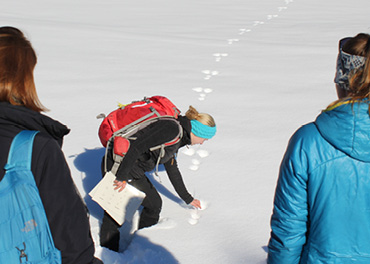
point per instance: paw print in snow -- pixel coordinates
(202, 92)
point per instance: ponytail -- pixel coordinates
(192, 113)
(205, 119)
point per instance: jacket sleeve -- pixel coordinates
(174, 174)
(156, 134)
(66, 212)
(290, 214)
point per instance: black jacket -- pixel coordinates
(65, 210)
(139, 159)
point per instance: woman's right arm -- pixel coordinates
(290, 213)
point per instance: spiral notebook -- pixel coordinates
(120, 206)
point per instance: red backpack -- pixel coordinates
(125, 121)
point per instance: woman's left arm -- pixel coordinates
(174, 174)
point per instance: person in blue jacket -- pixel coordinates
(322, 201)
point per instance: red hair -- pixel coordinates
(17, 62)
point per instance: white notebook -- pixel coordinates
(120, 206)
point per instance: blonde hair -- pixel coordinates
(204, 118)
(17, 62)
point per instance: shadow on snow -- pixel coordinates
(89, 163)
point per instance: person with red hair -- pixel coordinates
(20, 109)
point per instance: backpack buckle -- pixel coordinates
(22, 253)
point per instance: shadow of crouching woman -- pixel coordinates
(89, 163)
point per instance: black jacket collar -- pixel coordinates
(186, 125)
(25, 118)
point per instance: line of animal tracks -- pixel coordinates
(212, 73)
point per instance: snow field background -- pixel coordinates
(261, 68)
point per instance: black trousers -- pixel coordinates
(152, 205)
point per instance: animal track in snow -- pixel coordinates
(202, 92)
(219, 56)
(195, 161)
(202, 153)
(195, 165)
(194, 217)
(188, 151)
(195, 213)
(269, 17)
(256, 23)
(231, 41)
(200, 89)
(244, 30)
(281, 8)
(202, 97)
(209, 74)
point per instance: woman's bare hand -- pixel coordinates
(119, 185)
(196, 204)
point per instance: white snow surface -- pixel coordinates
(261, 68)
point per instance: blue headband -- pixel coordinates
(202, 130)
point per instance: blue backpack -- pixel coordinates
(24, 228)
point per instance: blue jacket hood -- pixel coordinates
(347, 128)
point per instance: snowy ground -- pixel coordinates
(261, 68)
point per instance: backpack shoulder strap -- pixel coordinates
(20, 153)
(24, 224)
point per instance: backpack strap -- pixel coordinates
(20, 159)
(117, 159)
(161, 147)
(20, 154)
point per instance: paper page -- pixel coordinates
(119, 205)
